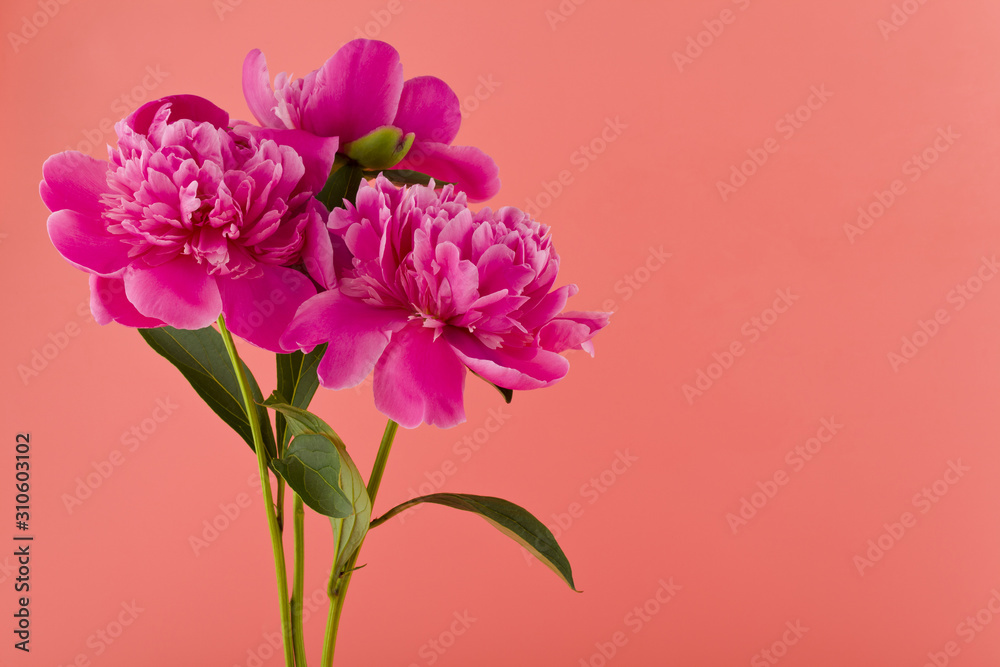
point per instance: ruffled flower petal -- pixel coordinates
(259, 309)
(357, 333)
(509, 367)
(420, 379)
(108, 303)
(430, 109)
(85, 242)
(572, 331)
(75, 181)
(190, 107)
(355, 91)
(257, 90)
(471, 170)
(181, 293)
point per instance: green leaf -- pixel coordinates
(311, 466)
(297, 384)
(381, 148)
(406, 177)
(513, 521)
(348, 530)
(348, 533)
(343, 183)
(201, 357)
(301, 421)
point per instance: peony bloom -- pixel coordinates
(360, 90)
(191, 219)
(433, 289)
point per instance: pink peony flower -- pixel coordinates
(361, 89)
(433, 289)
(191, 219)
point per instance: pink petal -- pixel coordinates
(419, 379)
(572, 331)
(259, 309)
(317, 153)
(548, 306)
(257, 90)
(470, 169)
(85, 242)
(356, 91)
(317, 253)
(357, 333)
(74, 180)
(108, 303)
(430, 109)
(191, 107)
(511, 368)
(179, 292)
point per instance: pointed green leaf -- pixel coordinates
(301, 421)
(513, 521)
(348, 533)
(297, 384)
(201, 357)
(311, 466)
(343, 183)
(349, 530)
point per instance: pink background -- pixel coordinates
(662, 135)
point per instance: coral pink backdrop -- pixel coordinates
(785, 450)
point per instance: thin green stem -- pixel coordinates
(265, 484)
(339, 581)
(298, 583)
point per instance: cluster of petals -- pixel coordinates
(191, 218)
(428, 290)
(194, 216)
(361, 89)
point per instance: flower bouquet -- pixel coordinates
(337, 234)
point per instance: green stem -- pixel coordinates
(279, 509)
(298, 583)
(265, 484)
(339, 581)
